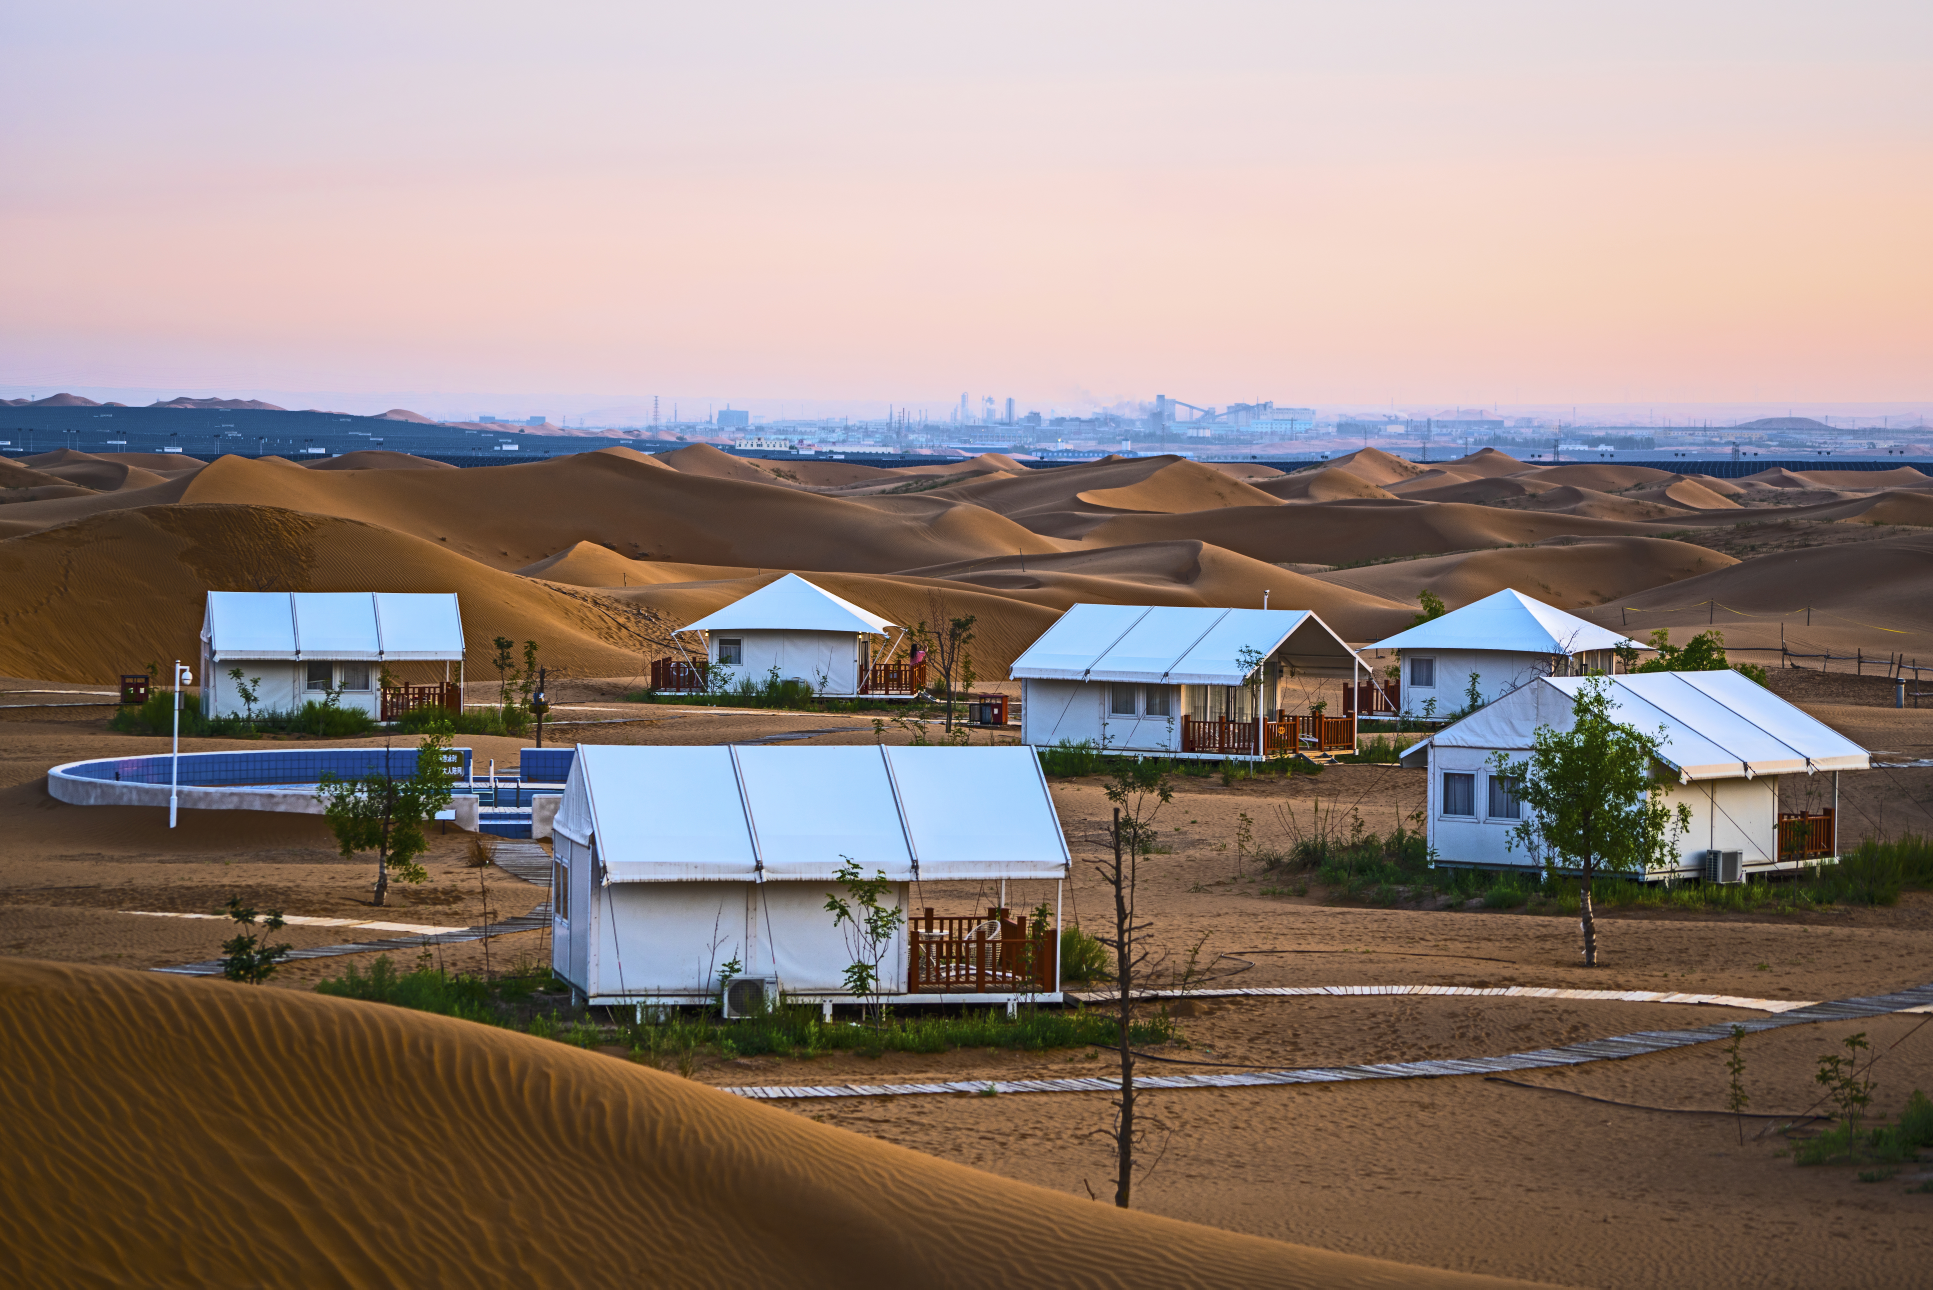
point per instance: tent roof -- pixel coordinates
(1176, 644)
(333, 625)
(1718, 725)
(747, 814)
(791, 605)
(1508, 620)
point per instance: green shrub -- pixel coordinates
(1067, 758)
(1082, 958)
(156, 717)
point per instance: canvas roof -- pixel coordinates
(1508, 620)
(791, 605)
(1718, 725)
(747, 814)
(333, 625)
(1178, 644)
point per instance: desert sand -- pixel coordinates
(138, 1134)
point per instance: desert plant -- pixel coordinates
(1433, 607)
(1592, 799)
(1736, 1098)
(869, 925)
(247, 689)
(1082, 958)
(383, 813)
(247, 957)
(1068, 758)
(1849, 1090)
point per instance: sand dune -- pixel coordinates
(1322, 486)
(304, 1140)
(509, 517)
(1559, 571)
(589, 565)
(1182, 487)
(1175, 573)
(1696, 494)
(1373, 465)
(1347, 532)
(1604, 476)
(1479, 492)
(47, 512)
(10, 493)
(1572, 500)
(1850, 480)
(106, 595)
(376, 459)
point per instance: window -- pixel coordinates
(1422, 672)
(731, 650)
(321, 676)
(355, 676)
(1459, 794)
(560, 890)
(1503, 799)
(1160, 701)
(1121, 700)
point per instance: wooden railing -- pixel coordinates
(677, 676)
(1372, 697)
(399, 699)
(1807, 837)
(1278, 736)
(997, 954)
(893, 678)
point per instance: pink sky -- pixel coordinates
(1477, 204)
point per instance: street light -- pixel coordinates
(182, 677)
(539, 705)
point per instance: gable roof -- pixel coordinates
(762, 814)
(1718, 725)
(1177, 644)
(791, 605)
(1508, 620)
(333, 625)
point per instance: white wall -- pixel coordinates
(1726, 815)
(1498, 673)
(1051, 711)
(669, 940)
(282, 688)
(827, 661)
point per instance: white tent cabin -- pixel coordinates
(1747, 763)
(304, 643)
(1506, 640)
(676, 867)
(801, 631)
(1185, 681)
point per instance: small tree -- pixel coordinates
(247, 691)
(1139, 789)
(381, 813)
(1593, 800)
(1433, 607)
(506, 664)
(246, 958)
(870, 925)
(1704, 652)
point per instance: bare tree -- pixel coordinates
(1138, 790)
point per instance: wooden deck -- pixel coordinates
(678, 676)
(1807, 837)
(893, 678)
(997, 953)
(1281, 736)
(408, 698)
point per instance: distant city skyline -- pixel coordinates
(1498, 204)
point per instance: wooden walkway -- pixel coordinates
(1918, 999)
(519, 859)
(1461, 991)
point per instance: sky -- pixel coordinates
(809, 206)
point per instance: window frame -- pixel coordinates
(1516, 805)
(309, 679)
(737, 646)
(1429, 664)
(1469, 778)
(342, 672)
(1116, 691)
(1164, 693)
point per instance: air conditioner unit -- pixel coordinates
(748, 996)
(1724, 866)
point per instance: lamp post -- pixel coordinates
(182, 677)
(539, 705)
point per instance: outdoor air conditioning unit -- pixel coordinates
(748, 996)
(1724, 866)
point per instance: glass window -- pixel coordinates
(355, 676)
(1121, 700)
(1459, 793)
(731, 650)
(1503, 799)
(321, 676)
(1422, 671)
(560, 887)
(1160, 701)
